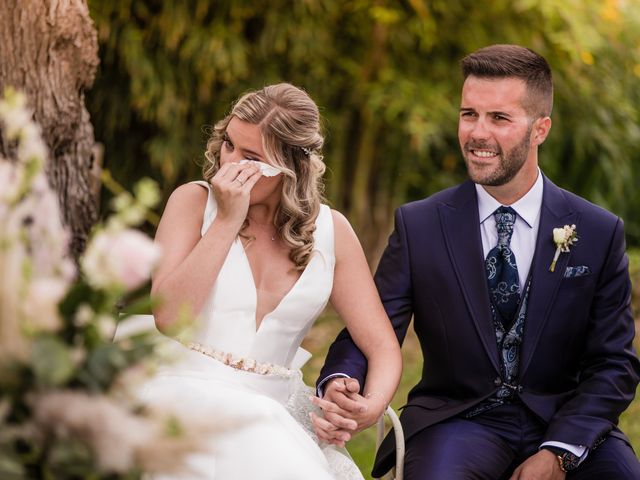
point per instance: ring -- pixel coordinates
(239, 181)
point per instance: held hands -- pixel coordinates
(232, 186)
(541, 466)
(346, 412)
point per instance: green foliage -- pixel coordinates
(386, 76)
(634, 272)
(51, 362)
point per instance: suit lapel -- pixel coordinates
(461, 227)
(555, 213)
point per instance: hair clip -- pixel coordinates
(306, 150)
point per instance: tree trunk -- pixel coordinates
(49, 50)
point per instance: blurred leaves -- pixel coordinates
(51, 362)
(386, 77)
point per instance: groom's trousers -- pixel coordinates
(491, 445)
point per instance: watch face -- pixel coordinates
(570, 461)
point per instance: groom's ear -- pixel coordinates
(540, 130)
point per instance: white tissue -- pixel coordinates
(266, 169)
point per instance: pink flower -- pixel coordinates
(41, 304)
(123, 258)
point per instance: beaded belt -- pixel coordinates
(241, 363)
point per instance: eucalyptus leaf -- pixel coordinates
(104, 362)
(51, 361)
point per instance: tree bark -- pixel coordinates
(49, 50)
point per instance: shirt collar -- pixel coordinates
(528, 207)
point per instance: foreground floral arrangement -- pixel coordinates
(67, 403)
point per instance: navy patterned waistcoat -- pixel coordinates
(509, 348)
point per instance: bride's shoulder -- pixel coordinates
(192, 192)
(339, 220)
(190, 197)
(344, 235)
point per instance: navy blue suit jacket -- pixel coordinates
(578, 371)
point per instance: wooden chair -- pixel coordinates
(397, 472)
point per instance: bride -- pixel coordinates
(254, 256)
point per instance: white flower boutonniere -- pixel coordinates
(563, 238)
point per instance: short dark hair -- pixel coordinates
(503, 61)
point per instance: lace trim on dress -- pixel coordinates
(241, 363)
(299, 406)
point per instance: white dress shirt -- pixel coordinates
(523, 246)
(525, 229)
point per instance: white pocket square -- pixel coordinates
(579, 271)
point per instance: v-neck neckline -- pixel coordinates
(252, 279)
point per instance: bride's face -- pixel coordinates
(243, 141)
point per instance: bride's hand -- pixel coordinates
(345, 411)
(232, 186)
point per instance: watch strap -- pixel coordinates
(567, 460)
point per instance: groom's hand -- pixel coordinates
(543, 465)
(345, 411)
(344, 392)
(339, 406)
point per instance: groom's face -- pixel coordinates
(494, 130)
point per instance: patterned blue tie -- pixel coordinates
(501, 268)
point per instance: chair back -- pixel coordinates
(397, 472)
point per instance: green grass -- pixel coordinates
(362, 448)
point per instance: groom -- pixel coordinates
(526, 367)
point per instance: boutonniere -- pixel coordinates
(563, 238)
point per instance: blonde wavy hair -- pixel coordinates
(292, 140)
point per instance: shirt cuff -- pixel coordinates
(578, 450)
(320, 387)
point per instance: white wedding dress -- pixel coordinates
(262, 393)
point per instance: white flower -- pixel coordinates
(119, 258)
(84, 315)
(563, 238)
(133, 215)
(32, 147)
(130, 379)
(11, 180)
(40, 306)
(111, 431)
(14, 113)
(158, 442)
(147, 192)
(106, 326)
(13, 344)
(35, 275)
(122, 201)
(559, 235)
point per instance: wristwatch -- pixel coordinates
(567, 460)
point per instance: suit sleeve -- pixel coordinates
(609, 367)
(393, 280)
